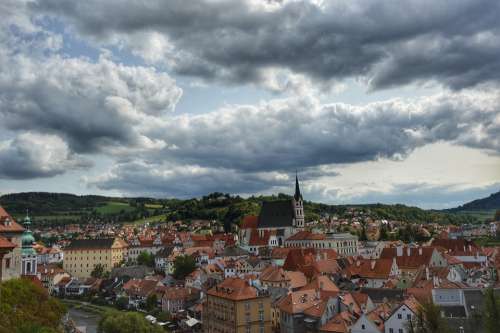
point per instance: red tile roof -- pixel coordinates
(11, 226)
(234, 289)
(414, 259)
(250, 222)
(371, 268)
(306, 235)
(5, 244)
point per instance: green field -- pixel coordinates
(481, 215)
(151, 219)
(114, 207)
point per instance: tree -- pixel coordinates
(362, 236)
(183, 266)
(146, 258)
(151, 302)
(491, 312)
(98, 271)
(128, 322)
(26, 307)
(429, 320)
(121, 303)
(383, 232)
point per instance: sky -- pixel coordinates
(368, 101)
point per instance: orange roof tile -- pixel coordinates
(234, 289)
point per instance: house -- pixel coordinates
(372, 273)
(143, 244)
(10, 233)
(161, 258)
(400, 318)
(237, 305)
(304, 260)
(306, 310)
(178, 298)
(340, 323)
(50, 275)
(46, 255)
(277, 277)
(68, 286)
(373, 321)
(138, 290)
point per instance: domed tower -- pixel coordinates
(28, 253)
(298, 205)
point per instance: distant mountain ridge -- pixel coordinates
(488, 203)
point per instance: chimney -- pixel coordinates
(427, 274)
(420, 251)
(408, 251)
(399, 251)
(358, 263)
(470, 248)
(372, 263)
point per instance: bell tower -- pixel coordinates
(28, 253)
(298, 205)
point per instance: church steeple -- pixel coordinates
(297, 195)
(28, 253)
(298, 205)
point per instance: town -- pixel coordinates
(274, 272)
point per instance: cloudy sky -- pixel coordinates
(371, 101)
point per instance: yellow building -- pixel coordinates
(82, 255)
(236, 306)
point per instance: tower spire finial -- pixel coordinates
(297, 195)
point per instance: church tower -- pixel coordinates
(298, 205)
(28, 253)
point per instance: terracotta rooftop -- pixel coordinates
(306, 235)
(371, 268)
(341, 323)
(409, 258)
(250, 222)
(6, 244)
(298, 301)
(235, 289)
(7, 223)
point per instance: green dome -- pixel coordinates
(27, 239)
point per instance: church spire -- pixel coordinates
(297, 195)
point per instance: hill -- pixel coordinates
(491, 202)
(61, 208)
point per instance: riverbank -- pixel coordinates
(85, 314)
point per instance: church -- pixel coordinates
(277, 221)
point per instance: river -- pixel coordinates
(84, 318)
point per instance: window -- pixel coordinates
(400, 330)
(408, 316)
(7, 263)
(391, 330)
(400, 316)
(363, 326)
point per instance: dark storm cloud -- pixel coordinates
(456, 43)
(184, 181)
(300, 133)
